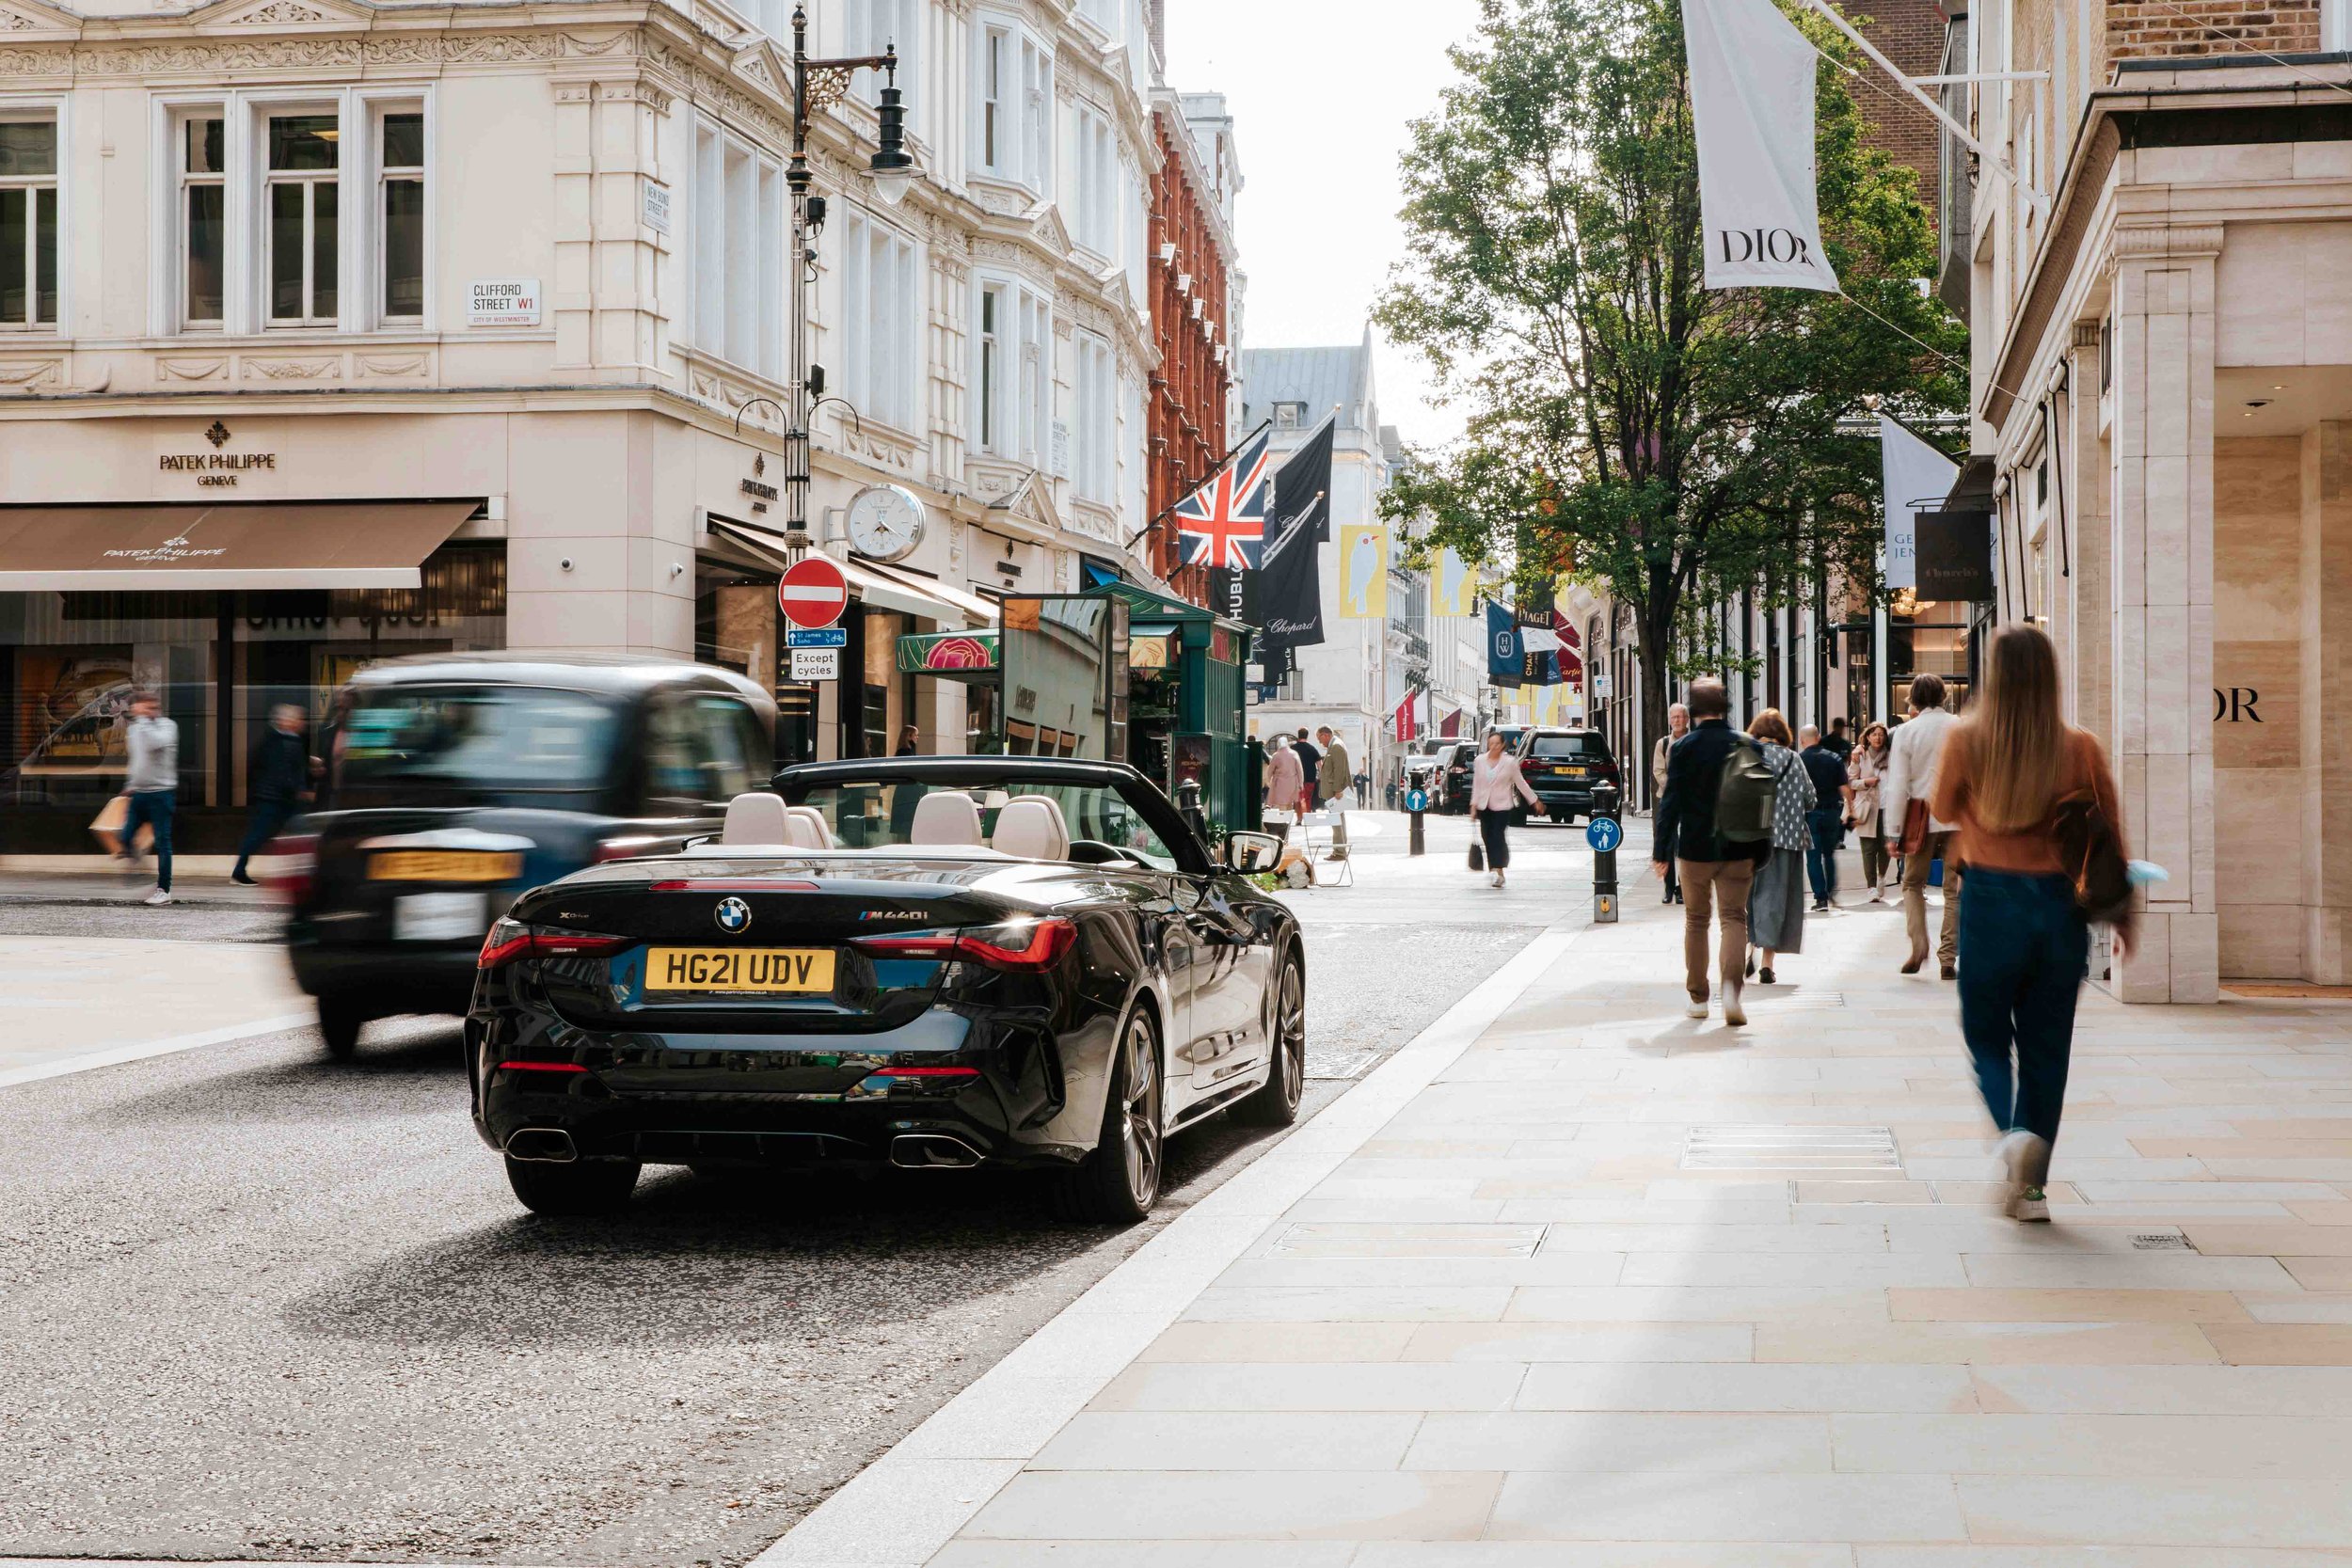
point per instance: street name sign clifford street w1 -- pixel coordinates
(813, 592)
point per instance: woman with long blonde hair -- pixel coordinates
(2024, 945)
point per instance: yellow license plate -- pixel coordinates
(740, 971)
(444, 865)
(1570, 772)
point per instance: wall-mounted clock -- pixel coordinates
(886, 522)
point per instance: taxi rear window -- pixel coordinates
(1579, 746)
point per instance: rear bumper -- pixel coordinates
(396, 977)
(744, 1098)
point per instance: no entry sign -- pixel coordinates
(814, 593)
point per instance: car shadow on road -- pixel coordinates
(738, 1256)
(423, 1053)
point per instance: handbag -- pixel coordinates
(1477, 855)
(1915, 826)
(2092, 854)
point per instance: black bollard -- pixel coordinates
(1416, 802)
(1605, 803)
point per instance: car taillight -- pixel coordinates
(289, 866)
(511, 941)
(1028, 947)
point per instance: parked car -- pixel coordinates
(938, 964)
(1562, 766)
(1453, 772)
(460, 780)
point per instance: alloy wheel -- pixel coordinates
(1291, 1035)
(1140, 1131)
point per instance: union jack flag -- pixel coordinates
(1223, 523)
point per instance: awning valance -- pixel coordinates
(324, 544)
(962, 655)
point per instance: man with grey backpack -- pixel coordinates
(1717, 813)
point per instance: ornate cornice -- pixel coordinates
(214, 55)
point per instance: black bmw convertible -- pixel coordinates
(937, 964)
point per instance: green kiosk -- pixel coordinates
(1117, 672)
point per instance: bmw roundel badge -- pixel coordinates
(733, 916)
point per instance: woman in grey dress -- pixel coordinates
(1776, 901)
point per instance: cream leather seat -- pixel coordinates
(947, 818)
(1033, 827)
(807, 827)
(757, 817)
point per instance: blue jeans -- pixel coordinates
(154, 808)
(2023, 952)
(1821, 861)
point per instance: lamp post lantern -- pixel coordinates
(815, 86)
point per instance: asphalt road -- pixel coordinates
(257, 1304)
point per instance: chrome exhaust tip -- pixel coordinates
(549, 1145)
(932, 1151)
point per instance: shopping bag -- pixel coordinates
(1477, 856)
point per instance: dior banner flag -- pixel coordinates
(1752, 107)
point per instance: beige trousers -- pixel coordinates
(1938, 845)
(1705, 883)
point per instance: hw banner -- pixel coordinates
(1752, 108)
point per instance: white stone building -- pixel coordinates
(470, 312)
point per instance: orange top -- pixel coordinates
(2033, 852)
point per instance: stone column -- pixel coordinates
(2326, 742)
(2162, 591)
(2088, 676)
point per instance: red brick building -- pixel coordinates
(1193, 300)
(1911, 33)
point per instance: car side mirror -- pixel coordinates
(1251, 854)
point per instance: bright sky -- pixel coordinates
(1320, 92)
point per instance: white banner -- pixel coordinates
(1917, 479)
(1752, 107)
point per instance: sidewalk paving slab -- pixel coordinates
(1577, 1280)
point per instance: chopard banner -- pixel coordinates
(1752, 108)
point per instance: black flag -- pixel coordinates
(1289, 580)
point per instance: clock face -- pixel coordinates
(885, 523)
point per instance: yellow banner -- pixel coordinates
(1455, 589)
(1363, 572)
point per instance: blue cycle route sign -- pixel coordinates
(1603, 833)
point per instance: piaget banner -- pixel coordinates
(1752, 107)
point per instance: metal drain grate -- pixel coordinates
(1772, 1147)
(2160, 1240)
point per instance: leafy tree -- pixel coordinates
(1629, 428)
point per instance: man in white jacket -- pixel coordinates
(1917, 746)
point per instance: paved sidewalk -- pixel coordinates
(1575, 1280)
(76, 1002)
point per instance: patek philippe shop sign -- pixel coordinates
(217, 469)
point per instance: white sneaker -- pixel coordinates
(1696, 1009)
(2032, 1206)
(1495, 880)
(1735, 1013)
(158, 896)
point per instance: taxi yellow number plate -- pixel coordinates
(1570, 772)
(740, 971)
(444, 865)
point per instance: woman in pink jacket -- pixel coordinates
(1496, 788)
(1285, 780)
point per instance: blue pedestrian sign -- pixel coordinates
(1417, 799)
(816, 637)
(1603, 833)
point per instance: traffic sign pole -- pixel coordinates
(1604, 833)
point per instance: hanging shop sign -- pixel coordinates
(1955, 555)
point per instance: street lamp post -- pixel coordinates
(815, 86)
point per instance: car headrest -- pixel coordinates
(946, 817)
(757, 817)
(807, 827)
(1031, 827)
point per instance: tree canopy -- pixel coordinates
(1628, 427)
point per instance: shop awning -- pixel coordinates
(351, 545)
(959, 656)
(909, 592)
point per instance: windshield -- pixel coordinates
(1587, 746)
(486, 738)
(880, 813)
